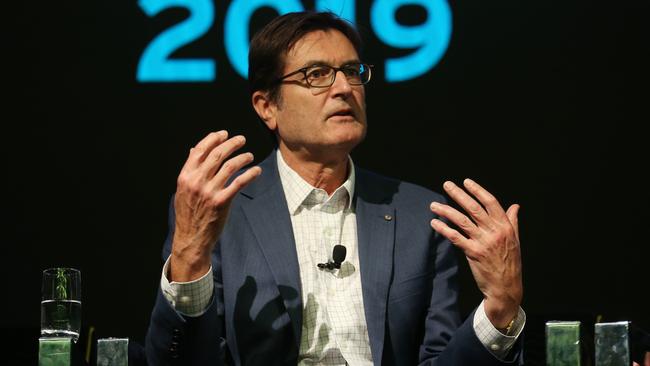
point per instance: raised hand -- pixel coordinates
(202, 201)
(490, 241)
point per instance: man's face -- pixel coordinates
(321, 119)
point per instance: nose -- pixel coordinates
(341, 86)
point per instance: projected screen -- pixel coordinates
(534, 100)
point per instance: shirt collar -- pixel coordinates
(298, 191)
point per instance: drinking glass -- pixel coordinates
(61, 303)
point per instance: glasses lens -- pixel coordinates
(357, 74)
(320, 75)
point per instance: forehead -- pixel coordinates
(331, 47)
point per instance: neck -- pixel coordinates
(324, 171)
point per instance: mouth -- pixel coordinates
(344, 113)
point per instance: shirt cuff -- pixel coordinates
(497, 343)
(188, 298)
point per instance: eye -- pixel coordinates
(318, 72)
(353, 70)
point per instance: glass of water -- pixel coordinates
(61, 303)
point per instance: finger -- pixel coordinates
(486, 198)
(203, 148)
(454, 236)
(473, 208)
(513, 217)
(230, 167)
(455, 216)
(227, 194)
(219, 154)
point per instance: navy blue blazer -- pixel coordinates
(408, 275)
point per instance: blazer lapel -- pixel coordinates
(268, 215)
(376, 234)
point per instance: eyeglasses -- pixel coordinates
(323, 76)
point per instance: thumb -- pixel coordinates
(512, 213)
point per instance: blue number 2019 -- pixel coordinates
(430, 39)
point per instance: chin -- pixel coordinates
(349, 139)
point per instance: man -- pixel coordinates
(241, 283)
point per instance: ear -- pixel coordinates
(265, 108)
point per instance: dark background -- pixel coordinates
(542, 102)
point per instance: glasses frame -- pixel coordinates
(335, 69)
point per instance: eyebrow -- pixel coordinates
(321, 62)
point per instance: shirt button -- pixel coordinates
(495, 347)
(388, 217)
(185, 299)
